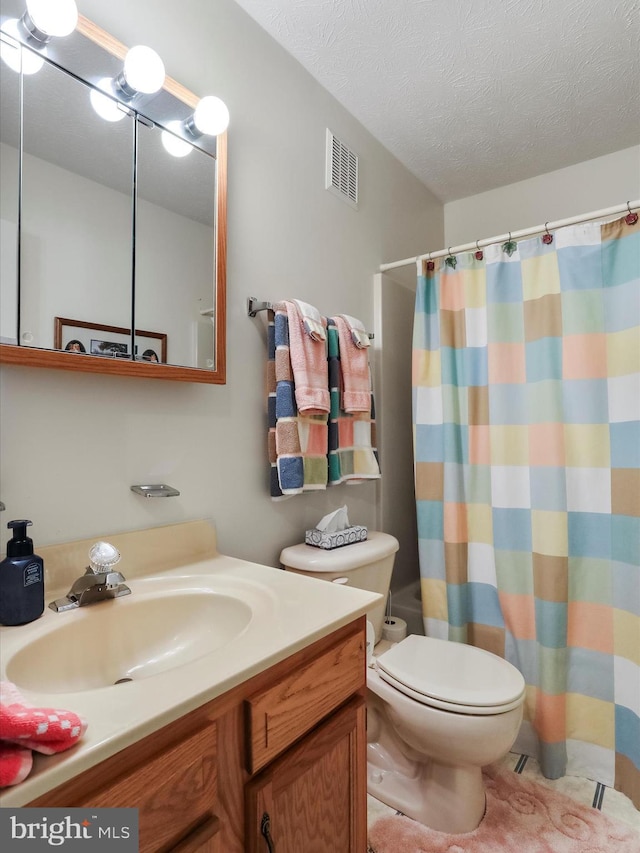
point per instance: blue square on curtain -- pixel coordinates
(544, 359)
(430, 516)
(512, 529)
(454, 482)
(580, 267)
(504, 282)
(427, 295)
(509, 404)
(625, 533)
(429, 443)
(625, 444)
(551, 623)
(586, 401)
(548, 488)
(589, 534)
(590, 673)
(624, 584)
(431, 556)
(456, 442)
(426, 332)
(627, 728)
(621, 259)
(485, 605)
(523, 654)
(452, 366)
(476, 369)
(622, 307)
(458, 603)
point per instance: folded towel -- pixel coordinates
(353, 456)
(309, 365)
(314, 322)
(297, 442)
(45, 730)
(354, 364)
(359, 334)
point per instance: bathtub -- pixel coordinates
(406, 604)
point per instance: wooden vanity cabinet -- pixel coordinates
(289, 743)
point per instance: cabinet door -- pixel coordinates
(313, 798)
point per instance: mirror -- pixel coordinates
(116, 234)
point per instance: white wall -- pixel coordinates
(71, 445)
(593, 185)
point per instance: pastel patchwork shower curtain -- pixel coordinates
(526, 384)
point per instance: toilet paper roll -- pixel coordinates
(394, 629)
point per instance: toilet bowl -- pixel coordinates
(437, 711)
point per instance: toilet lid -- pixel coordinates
(451, 675)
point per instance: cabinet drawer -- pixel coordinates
(283, 712)
(174, 791)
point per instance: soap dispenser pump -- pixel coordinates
(21, 579)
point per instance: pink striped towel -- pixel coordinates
(309, 365)
(354, 364)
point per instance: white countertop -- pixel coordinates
(289, 612)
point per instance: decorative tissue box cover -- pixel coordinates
(348, 536)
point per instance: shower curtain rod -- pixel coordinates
(514, 235)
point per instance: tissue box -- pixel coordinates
(320, 539)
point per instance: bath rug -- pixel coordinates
(522, 816)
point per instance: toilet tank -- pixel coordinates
(364, 565)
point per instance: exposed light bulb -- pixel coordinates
(143, 70)
(172, 143)
(106, 107)
(52, 17)
(211, 116)
(12, 53)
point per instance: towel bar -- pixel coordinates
(253, 306)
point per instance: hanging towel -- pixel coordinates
(353, 456)
(24, 728)
(314, 323)
(359, 334)
(309, 365)
(297, 443)
(356, 377)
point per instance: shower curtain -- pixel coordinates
(526, 411)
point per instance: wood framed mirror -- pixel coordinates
(187, 309)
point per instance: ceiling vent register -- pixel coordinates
(342, 170)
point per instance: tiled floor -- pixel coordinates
(592, 794)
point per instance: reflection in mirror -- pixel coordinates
(77, 200)
(175, 249)
(115, 231)
(9, 183)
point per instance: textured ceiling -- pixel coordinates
(474, 94)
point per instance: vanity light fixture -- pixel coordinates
(105, 105)
(46, 19)
(171, 140)
(210, 117)
(143, 72)
(41, 21)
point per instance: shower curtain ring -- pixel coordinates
(479, 253)
(430, 264)
(547, 237)
(630, 218)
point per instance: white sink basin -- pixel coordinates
(127, 639)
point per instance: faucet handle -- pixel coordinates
(103, 557)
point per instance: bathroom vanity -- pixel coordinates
(259, 745)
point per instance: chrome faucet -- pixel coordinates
(99, 582)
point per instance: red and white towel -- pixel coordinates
(24, 729)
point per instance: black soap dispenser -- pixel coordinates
(21, 579)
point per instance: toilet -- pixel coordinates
(437, 711)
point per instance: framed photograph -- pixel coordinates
(98, 339)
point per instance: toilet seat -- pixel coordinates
(452, 676)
